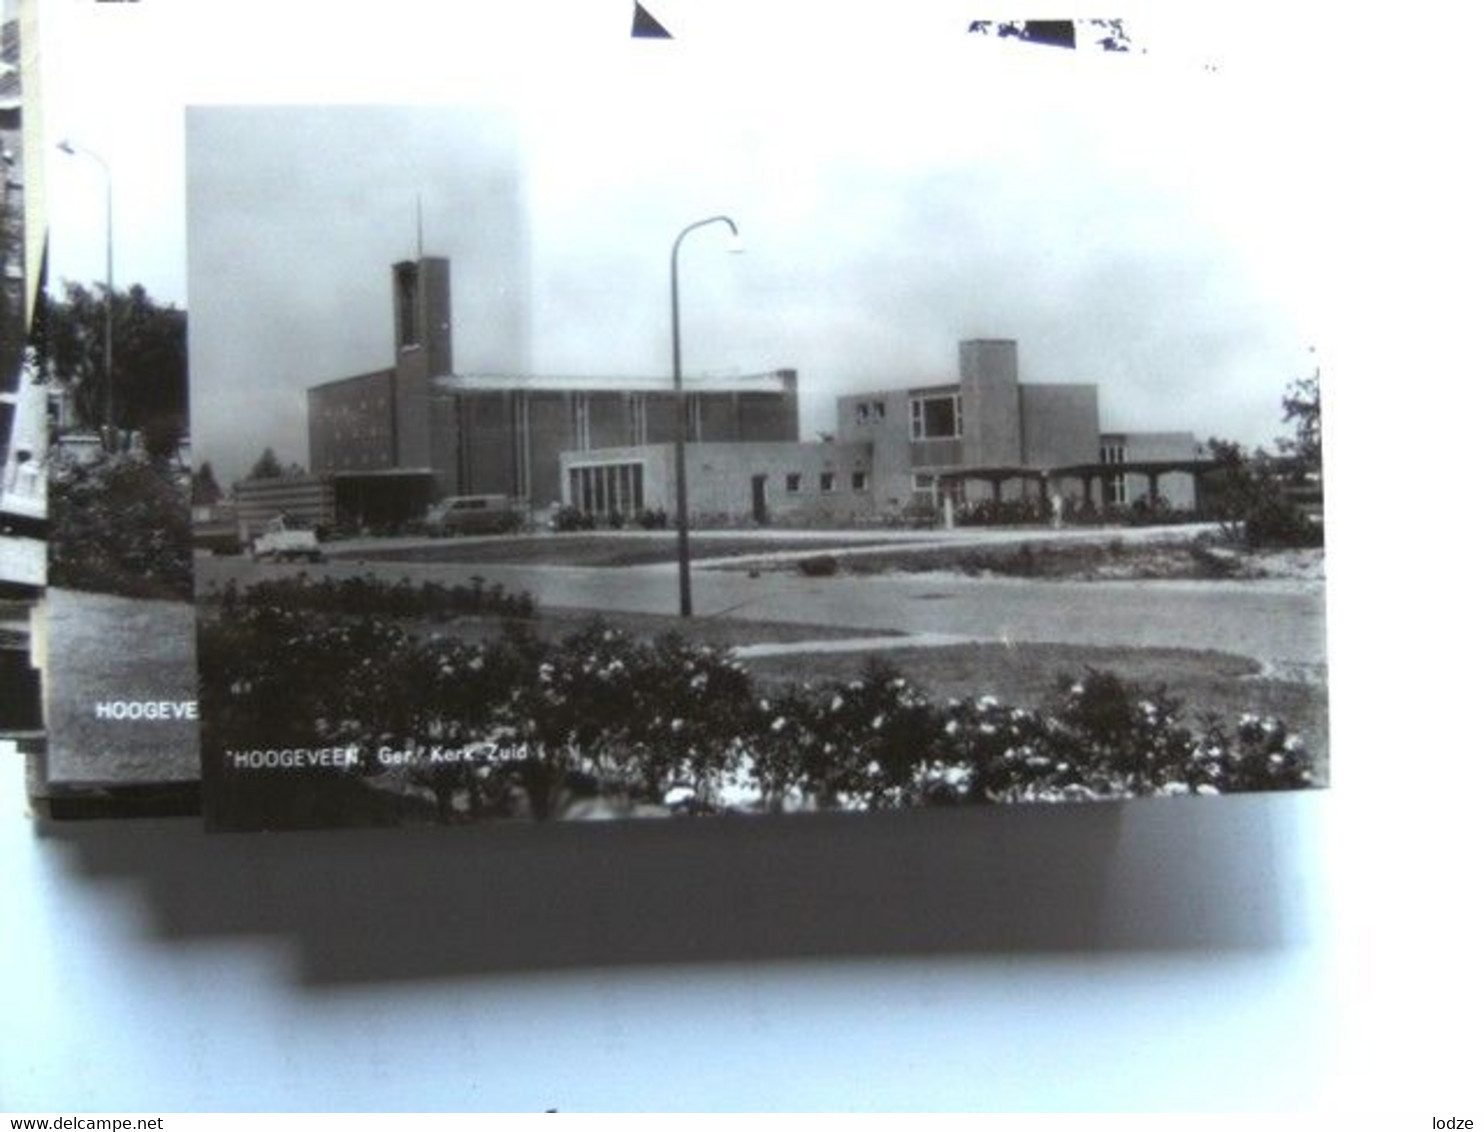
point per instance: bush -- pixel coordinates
(653, 519)
(1248, 495)
(569, 518)
(369, 595)
(1273, 520)
(1146, 512)
(1083, 512)
(1216, 562)
(120, 526)
(920, 514)
(819, 566)
(861, 744)
(1009, 512)
(520, 726)
(507, 522)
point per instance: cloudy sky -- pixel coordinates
(1128, 222)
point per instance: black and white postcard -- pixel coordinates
(994, 472)
(22, 409)
(108, 352)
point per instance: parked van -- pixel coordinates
(474, 514)
(285, 539)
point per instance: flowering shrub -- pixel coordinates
(1262, 754)
(275, 675)
(520, 726)
(121, 526)
(872, 738)
(643, 720)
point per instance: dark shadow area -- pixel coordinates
(646, 26)
(83, 803)
(413, 904)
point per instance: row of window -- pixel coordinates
(933, 416)
(579, 420)
(602, 488)
(793, 482)
(608, 488)
(409, 324)
(1115, 452)
(342, 408)
(937, 417)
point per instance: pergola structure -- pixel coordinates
(1152, 470)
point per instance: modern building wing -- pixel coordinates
(392, 441)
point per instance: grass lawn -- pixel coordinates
(1027, 674)
(1204, 681)
(1105, 560)
(581, 550)
(718, 632)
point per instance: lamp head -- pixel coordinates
(735, 246)
(66, 146)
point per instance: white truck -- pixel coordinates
(285, 539)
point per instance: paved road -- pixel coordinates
(1280, 623)
(846, 541)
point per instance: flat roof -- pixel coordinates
(377, 473)
(954, 385)
(1139, 467)
(774, 382)
(334, 381)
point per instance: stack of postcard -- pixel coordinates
(22, 403)
(990, 472)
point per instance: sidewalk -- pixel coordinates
(851, 539)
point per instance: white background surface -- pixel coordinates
(1314, 951)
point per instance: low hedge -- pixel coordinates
(520, 726)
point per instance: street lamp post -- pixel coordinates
(682, 514)
(72, 149)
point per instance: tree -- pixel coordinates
(149, 357)
(267, 467)
(1301, 406)
(205, 492)
(162, 436)
(1261, 497)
